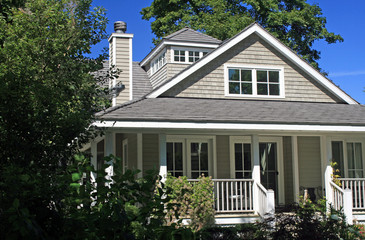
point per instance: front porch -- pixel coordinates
(252, 172)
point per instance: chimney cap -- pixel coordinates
(120, 27)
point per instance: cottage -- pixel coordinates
(247, 111)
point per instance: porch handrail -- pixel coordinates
(265, 200)
(357, 187)
(338, 196)
(342, 199)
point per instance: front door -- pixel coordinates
(271, 169)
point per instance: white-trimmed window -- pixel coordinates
(158, 62)
(241, 157)
(254, 81)
(186, 55)
(174, 157)
(349, 156)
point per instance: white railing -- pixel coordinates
(233, 195)
(337, 196)
(357, 187)
(265, 200)
(342, 199)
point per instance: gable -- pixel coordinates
(209, 81)
(319, 79)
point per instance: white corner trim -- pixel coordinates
(114, 62)
(130, 70)
(227, 126)
(273, 42)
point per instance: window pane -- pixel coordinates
(194, 156)
(246, 88)
(337, 156)
(234, 87)
(263, 157)
(176, 59)
(358, 155)
(246, 75)
(247, 156)
(350, 156)
(271, 152)
(169, 153)
(206, 174)
(262, 76)
(182, 59)
(205, 53)
(274, 89)
(204, 156)
(239, 175)
(191, 59)
(178, 174)
(195, 175)
(191, 53)
(176, 52)
(262, 89)
(274, 76)
(178, 156)
(234, 74)
(238, 156)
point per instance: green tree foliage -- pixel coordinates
(47, 101)
(295, 22)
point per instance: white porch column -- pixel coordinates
(270, 202)
(295, 165)
(326, 149)
(256, 170)
(140, 154)
(109, 149)
(163, 160)
(94, 158)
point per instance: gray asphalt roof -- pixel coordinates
(190, 35)
(236, 111)
(141, 83)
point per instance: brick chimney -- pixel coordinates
(120, 56)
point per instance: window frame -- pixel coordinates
(187, 55)
(254, 69)
(157, 63)
(345, 141)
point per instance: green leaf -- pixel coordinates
(76, 177)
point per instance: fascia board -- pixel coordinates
(228, 126)
(121, 35)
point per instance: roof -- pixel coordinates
(187, 34)
(141, 83)
(236, 111)
(274, 42)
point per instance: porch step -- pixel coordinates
(231, 219)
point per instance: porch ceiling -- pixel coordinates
(236, 111)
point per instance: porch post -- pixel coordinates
(109, 149)
(163, 160)
(347, 205)
(295, 165)
(326, 150)
(140, 154)
(256, 170)
(94, 159)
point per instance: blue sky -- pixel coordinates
(345, 62)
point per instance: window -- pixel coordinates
(125, 155)
(348, 156)
(254, 82)
(158, 62)
(174, 152)
(187, 56)
(242, 160)
(199, 159)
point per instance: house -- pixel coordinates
(247, 111)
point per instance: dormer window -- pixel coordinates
(158, 62)
(254, 81)
(183, 55)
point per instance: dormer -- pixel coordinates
(175, 52)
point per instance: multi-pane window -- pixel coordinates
(193, 56)
(179, 55)
(253, 82)
(199, 159)
(159, 62)
(242, 158)
(337, 157)
(268, 83)
(174, 152)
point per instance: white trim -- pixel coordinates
(274, 43)
(130, 70)
(187, 50)
(125, 154)
(232, 141)
(156, 58)
(253, 69)
(120, 35)
(228, 126)
(173, 43)
(114, 62)
(140, 153)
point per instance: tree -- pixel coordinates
(295, 22)
(47, 100)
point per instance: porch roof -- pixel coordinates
(236, 111)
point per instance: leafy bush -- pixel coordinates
(192, 200)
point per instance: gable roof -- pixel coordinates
(236, 111)
(141, 82)
(271, 40)
(187, 34)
